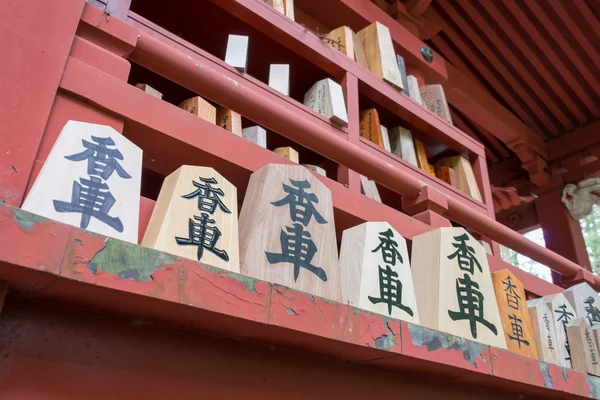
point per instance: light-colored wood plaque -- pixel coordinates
(256, 134)
(543, 331)
(422, 156)
(91, 179)
(342, 39)
(512, 305)
(403, 75)
(236, 54)
(359, 52)
(463, 172)
(376, 272)
(402, 145)
(229, 120)
(278, 5)
(385, 136)
(379, 50)
(326, 98)
(200, 108)
(289, 9)
(279, 78)
(586, 302)
(287, 231)
(562, 314)
(434, 100)
(413, 89)
(288, 153)
(584, 349)
(370, 128)
(195, 216)
(316, 168)
(368, 187)
(453, 286)
(149, 89)
(446, 174)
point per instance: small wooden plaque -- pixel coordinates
(326, 98)
(454, 287)
(255, 134)
(342, 39)
(385, 136)
(195, 216)
(376, 272)
(434, 99)
(403, 75)
(370, 128)
(543, 331)
(316, 168)
(368, 187)
(279, 78)
(562, 314)
(359, 52)
(379, 50)
(278, 5)
(446, 174)
(463, 172)
(200, 108)
(402, 145)
(149, 89)
(586, 302)
(583, 346)
(237, 52)
(288, 153)
(287, 231)
(422, 156)
(413, 89)
(514, 314)
(289, 9)
(229, 120)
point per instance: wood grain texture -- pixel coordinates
(434, 99)
(446, 174)
(263, 225)
(278, 5)
(149, 89)
(543, 331)
(562, 314)
(359, 52)
(463, 172)
(289, 9)
(440, 271)
(402, 145)
(422, 156)
(256, 134)
(368, 187)
(342, 39)
(200, 108)
(512, 305)
(385, 136)
(288, 153)
(379, 50)
(586, 302)
(362, 263)
(326, 98)
(236, 53)
(584, 349)
(173, 214)
(370, 128)
(413, 89)
(91, 150)
(229, 120)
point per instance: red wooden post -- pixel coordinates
(561, 232)
(350, 87)
(482, 177)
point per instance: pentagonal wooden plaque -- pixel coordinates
(543, 331)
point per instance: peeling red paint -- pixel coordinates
(372, 330)
(517, 368)
(569, 380)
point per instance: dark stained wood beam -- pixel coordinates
(506, 171)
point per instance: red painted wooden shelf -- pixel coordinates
(77, 268)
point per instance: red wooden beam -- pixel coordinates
(578, 140)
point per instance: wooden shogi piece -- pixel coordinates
(379, 51)
(434, 100)
(200, 108)
(422, 156)
(359, 52)
(562, 314)
(596, 333)
(385, 136)
(370, 128)
(342, 39)
(288, 153)
(256, 134)
(402, 69)
(316, 168)
(463, 172)
(278, 5)
(76, 167)
(446, 174)
(586, 302)
(272, 217)
(413, 89)
(236, 54)
(448, 265)
(543, 331)
(583, 346)
(402, 145)
(375, 271)
(326, 98)
(149, 89)
(368, 187)
(229, 120)
(190, 198)
(279, 78)
(512, 305)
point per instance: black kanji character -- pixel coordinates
(470, 304)
(465, 254)
(298, 249)
(517, 330)
(203, 235)
(593, 313)
(102, 161)
(301, 204)
(388, 247)
(208, 197)
(390, 291)
(512, 297)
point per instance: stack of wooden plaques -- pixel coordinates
(463, 174)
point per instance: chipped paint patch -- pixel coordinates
(594, 383)
(312, 298)
(290, 311)
(434, 340)
(250, 283)
(386, 341)
(545, 374)
(129, 261)
(78, 241)
(565, 373)
(27, 220)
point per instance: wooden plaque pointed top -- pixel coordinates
(543, 330)
(562, 314)
(286, 209)
(586, 302)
